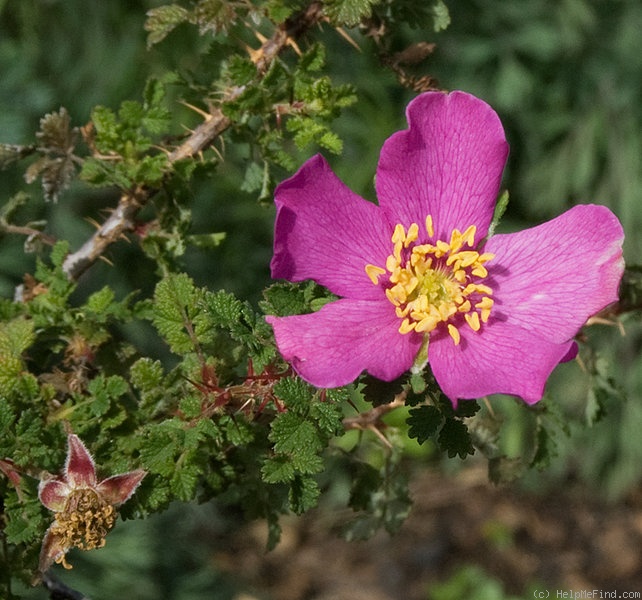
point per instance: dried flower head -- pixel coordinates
(85, 509)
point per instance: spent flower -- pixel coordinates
(418, 276)
(85, 508)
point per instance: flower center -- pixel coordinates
(432, 284)
(84, 522)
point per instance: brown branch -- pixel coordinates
(122, 219)
(371, 419)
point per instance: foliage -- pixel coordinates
(158, 361)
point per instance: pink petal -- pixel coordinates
(448, 164)
(331, 347)
(80, 470)
(499, 359)
(52, 550)
(326, 232)
(120, 488)
(550, 279)
(53, 494)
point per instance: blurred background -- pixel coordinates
(565, 77)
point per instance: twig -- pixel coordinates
(58, 590)
(122, 219)
(371, 419)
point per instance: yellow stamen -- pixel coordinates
(436, 282)
(84, 522)
(429, 226)
(373, 272)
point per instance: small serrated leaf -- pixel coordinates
(424, 422)
(304, 494)
(178, 314)
(278, 469)
(455, 439)
(348, 12)
(162, 20)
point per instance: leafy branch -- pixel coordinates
(122, 219)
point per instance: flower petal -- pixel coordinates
(326, 232)
(80, 470)
(333, 346)
(448, 164)
(499, 359)
(120, 488)
(52, 550)
(53, 494)
(551, 278)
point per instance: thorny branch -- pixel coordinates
(122, 219)
(371, 419)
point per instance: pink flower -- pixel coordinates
(84, 508)
(416, 275)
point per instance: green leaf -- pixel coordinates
(304, 494)
(455, 439)
(162, 20)
(15, 337)
(105, 390)
(424, 422)
(284, 299)
(179, 315)
(206, 240)
(500, 209)
(215, 15)
(293, 435)
(297, 438)
(278, 469)
(348, 12)
(546, 448)
(160, 448)
(295, 393)
(7, 419)
(184, 481)
(100, 301)
(440, 15)
(329, 417)
(146, 374)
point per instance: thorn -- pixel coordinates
(255, 55)
(347, 38)
(93, 222)
(489, 407)
(380, 435)
(260, 37)
(207, 116)
(103, 258)
(292, 43)
(217, 152)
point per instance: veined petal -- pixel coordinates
(119, 488)
(80, 470)
(326, 232)
(448, 164)
(52, 550)
(551, 278)
(333, 346)
(53, 494)
(500, 359)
